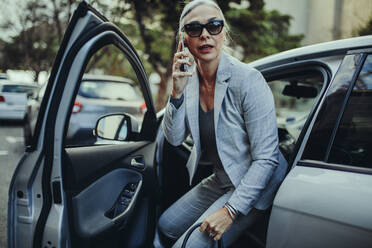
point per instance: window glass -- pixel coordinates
(109, 85)
(19, 89)
(353, 142)
(317, 144)
(108, 90)
(294, 96)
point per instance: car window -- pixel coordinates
(18, 88)
(353, 141)
(109, 85)
(321, 133)
(4, 76)
(108, 90)
(295, 95)
(292, 109)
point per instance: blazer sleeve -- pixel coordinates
(261, 126)
(174, 123)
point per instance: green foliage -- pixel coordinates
(41, 24)
(32, 49)
(367, 29)
(261, 33)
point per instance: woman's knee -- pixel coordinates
(167, 227)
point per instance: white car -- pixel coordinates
(4, 76)
(13, 99)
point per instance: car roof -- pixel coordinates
(326, 49)
(110, 78)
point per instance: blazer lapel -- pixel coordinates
(223, 74)
(192, 112)
(192, 107)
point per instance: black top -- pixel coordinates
(208, 145)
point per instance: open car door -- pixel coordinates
(73, 196)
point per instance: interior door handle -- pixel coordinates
(138, 163)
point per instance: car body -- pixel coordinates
(97, 95)
(66, 196)
(4, 76)
(13, 99)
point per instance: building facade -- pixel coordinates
(324, 20)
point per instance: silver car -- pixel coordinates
(112, 195)
(97, 95)
(4, 76)
(13, 99)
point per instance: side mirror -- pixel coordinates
(118, 127)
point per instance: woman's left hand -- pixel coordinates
(217, 223)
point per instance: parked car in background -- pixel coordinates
(112, 195)
(4, 76)
(97, 95)
(13, 99)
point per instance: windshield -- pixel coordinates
(108, 90)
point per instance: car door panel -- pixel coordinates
(308, 218)
(85, 164)
(26, 194)
(96, 177)
(95, 210)
(77, 187)
(322, 203)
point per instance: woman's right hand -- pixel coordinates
(179, 77)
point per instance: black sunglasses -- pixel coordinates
(195, 29)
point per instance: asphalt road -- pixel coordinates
(11, 151)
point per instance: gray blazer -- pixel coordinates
(246, 132)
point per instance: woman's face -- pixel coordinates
(206, 47)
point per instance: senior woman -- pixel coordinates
(228, 109)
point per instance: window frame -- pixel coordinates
(282, 71)
(324, 163)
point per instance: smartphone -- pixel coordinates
(183, 66)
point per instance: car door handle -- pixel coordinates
(138, 163)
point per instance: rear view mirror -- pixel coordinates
(118, 127)
(300, 91)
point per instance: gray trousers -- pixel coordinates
(202, 200)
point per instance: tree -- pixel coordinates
(41, 24)
(33, 49)
(255, 31)
(367, 29)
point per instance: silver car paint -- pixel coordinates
(14, 107)
(25, 182)
(326, 47)
(310, 211)
(58, 215)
